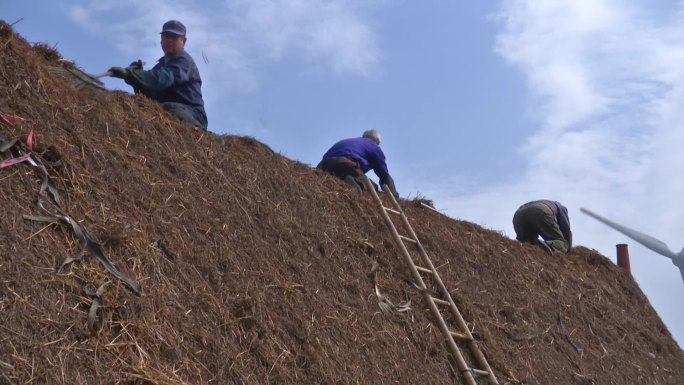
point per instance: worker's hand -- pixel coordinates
(136, 65)
(119, 72)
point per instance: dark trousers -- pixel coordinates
(342, 167)
(535, 219)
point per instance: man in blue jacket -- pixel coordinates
(351, 159)
(545, 218)
(174, 81)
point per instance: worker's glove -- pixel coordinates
(119, 72)
(389, 182)
(136, 65)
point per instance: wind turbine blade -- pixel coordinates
(679, 262)
(646, 240)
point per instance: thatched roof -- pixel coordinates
(263, 273)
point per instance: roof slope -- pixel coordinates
(265, 280)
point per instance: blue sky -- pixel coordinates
(483, 105)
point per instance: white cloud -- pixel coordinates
(554, 43)
(237, 38)
(607, 86)
(333, 32)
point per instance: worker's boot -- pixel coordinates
(352, 182)
(558, 245)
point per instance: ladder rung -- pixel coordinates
(407, 239)
(450, 337)
(459, 336)
(441, 302)
(479, 372)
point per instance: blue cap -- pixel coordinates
(175, 27)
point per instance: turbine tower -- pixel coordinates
(654, 244)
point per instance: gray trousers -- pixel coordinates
(536, 219)
(190, 114)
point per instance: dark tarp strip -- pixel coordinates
(89, 245)
(93, 325)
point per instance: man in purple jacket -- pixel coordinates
(351, 159)
(545, 218)
(174, 81)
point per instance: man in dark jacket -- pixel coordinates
(351, 159)
(174, 81)
(545, 218)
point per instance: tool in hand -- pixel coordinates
(80, 79)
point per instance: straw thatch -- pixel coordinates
(254, 268)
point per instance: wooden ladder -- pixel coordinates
(454, 338)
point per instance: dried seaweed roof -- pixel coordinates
(254, 267)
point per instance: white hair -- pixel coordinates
(372, 134)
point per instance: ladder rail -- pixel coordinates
(479, 357)
(464, 369)
(462, 366)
